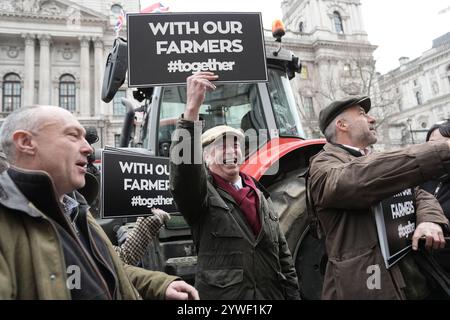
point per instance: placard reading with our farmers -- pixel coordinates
(133, 183)
(166, 48)
(396, 222)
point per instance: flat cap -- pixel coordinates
(337, 107)
(212, 134)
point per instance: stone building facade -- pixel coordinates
(420, 89)
(332, 44)
(54, 52)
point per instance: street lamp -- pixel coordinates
(409, 121)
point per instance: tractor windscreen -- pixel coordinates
(237, 105)
(283, 104)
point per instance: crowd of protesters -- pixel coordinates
(46, 227)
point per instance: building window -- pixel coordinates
(117, 140)
(67, 92)
(309, 107)
(419, 98)
(435, 87)
(12, 90)
(118, 108)
(338, 22)
(301, 27)
(347, 70)
(415, 83)
(304, 72)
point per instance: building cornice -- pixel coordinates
(419, 109)
(35, 16)
(414, 67)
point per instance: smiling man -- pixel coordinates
(345, 180)
(242, 253)
(50, 246)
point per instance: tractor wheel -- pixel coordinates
(289, 200)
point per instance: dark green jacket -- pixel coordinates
(232, 263)
(32, 264)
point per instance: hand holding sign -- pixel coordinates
(434, 237)
(197, 85)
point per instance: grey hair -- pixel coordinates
(25, 118)
(330, 131)
(206, 150)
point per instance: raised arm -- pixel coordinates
(188, 176)
(364, 181)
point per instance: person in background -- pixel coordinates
(133, 244)
(440, 189)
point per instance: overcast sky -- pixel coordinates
(398, 27)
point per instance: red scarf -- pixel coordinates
(246, 198)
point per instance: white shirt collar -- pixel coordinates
(364, 152)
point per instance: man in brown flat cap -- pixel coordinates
(345, 181)
(242, 253)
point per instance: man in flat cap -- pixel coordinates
(242, 253)
(345, 181)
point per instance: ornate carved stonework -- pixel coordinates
(29, 39)
(67, 53)
(30, 6)
(7, 5)
(44, 39)
(84, 41)
(50, 8)
(25, 6)
(13, 52)
(98, 43)
(73, 16)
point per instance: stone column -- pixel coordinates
(353, 16)
(360, 18)
(85, 89)
(311, 22)
(44, 69)
(318, 14)
(98, 76)
(28, 83)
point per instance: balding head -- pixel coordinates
(49, 139)
(27, 119)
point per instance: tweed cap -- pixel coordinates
(212, 134)
(337, 107)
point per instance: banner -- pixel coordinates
(166, 48)
(396, 222)
(132, 184)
